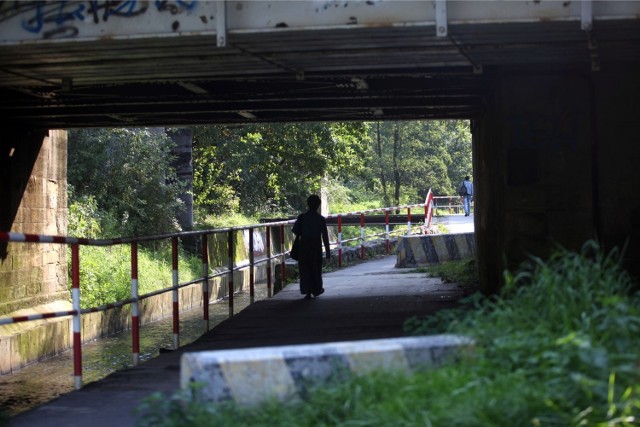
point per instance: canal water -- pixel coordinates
(41, 382)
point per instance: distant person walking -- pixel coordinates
(466, 192)
(311, 229)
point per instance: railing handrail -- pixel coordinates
(75, 242)
(9, 236)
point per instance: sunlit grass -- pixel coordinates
(105, 272)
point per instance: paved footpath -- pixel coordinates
(367, 301)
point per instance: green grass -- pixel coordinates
(463, 273)
(559, 347)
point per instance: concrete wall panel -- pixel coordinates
(555, 155)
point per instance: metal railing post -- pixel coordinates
(77, 325)
(283, 267)
(269, 292)
(205, 282)
(339, 241)
(361, 236)
(386, 231)
(135, 308)
(231, 260)
(176, 298)
(251, 267)
(426, 214)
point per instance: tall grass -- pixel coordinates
(559, 347)
(462, 272)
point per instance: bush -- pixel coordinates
(558, 347)
(129, 177)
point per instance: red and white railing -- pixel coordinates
(76, 312)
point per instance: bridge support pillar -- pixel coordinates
(33, 278)
(555, 158)
(33, 199)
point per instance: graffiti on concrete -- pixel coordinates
(62, 19)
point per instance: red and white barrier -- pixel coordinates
(18, 319)
(77, 326)
(176, 294)
(205, 282)
(135, 315)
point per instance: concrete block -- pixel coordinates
(251, 376)
(423, 250)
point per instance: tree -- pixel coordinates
(271, 168)
(129, 174)
(412, 157)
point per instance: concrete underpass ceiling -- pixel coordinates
(342, 73)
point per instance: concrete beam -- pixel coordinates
(251, 376)
(92, 20)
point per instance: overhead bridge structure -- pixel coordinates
(551, 89)
(125, 63)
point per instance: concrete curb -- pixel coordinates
(251, 376)
(422, 250)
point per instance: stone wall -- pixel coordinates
(33, 277)
(35, 178)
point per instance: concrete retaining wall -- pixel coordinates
(251, 376)
(422, 250)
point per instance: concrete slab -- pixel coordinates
(371, 300)
(255, 375)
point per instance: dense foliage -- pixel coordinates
(124, 179)
(272, 168)
(559, 347)
(412, 157)
(122, 182)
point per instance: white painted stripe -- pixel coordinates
(134, 295)
(75, 295)
(17, 237)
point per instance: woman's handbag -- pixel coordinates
(295, 249)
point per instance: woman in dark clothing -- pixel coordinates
(311, 228)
